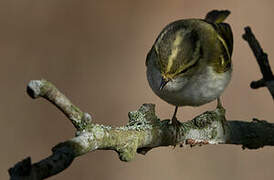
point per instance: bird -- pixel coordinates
(190, 63)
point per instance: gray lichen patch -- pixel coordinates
(145, 112)
(208, 127)
(86, 118)
(140, 125)
(206, 119)
(213, 133)
(34, 88)
(142, 119)
(98, 132)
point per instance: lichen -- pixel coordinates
(213, 133)
(142, 119)
(204, 120)
(127, 152)
(34, 88)
(98, 132)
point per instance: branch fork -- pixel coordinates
(262, 59)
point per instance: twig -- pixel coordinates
(143, 132)
(47, 90)
(262, 59)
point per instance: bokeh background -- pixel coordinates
(94, 52)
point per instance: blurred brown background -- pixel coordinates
(94, 52)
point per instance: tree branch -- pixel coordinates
(262, 59)
(143, 132)
(47, 90)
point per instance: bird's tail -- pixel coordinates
(216, 16)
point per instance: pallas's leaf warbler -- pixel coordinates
(189, 64)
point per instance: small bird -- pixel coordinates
(189, 64)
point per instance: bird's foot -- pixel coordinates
(176, 124)
(219, 103)
(221, 109)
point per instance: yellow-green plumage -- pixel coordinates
(225, 39)
(193, 59)
(189, 48)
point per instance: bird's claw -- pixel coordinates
(176, 124)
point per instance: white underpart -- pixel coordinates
(201, 88)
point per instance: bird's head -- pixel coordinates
(177, 51)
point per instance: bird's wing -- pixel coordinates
(217, 16)
(225, 35)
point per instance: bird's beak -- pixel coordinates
(163, 83)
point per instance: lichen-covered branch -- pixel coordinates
(47, 90)
(262, 59)
(143, 132)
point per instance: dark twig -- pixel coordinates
(60, 159)
(262, 59)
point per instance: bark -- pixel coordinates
(143, 132)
